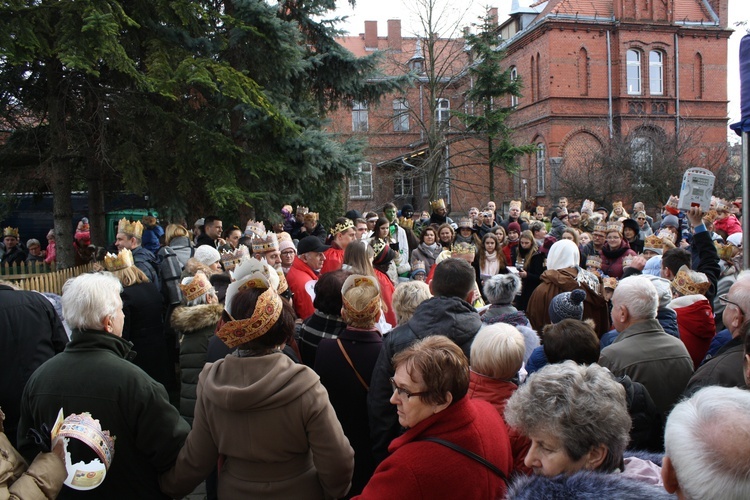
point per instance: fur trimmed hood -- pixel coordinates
(585, 485)
(189, 319)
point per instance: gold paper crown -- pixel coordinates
(199, 286)
(671, 205)
(417, 265)
(130, 228)
(594, 261)
(726, 252)
(540, 210)
(697, 284)
(10, 231)
(378, 245)
(255, 228)
(407, 223)
(515, 204)
(267, 243)
(370, 313)
(614, 226)
(723, 205)
(710, 216)
(123, 260)
(653, 242)
(283, 283)
(232, 259)
(610, 283)
(437, 204)
(88, 430)
(462, 248)
(267, 311)
(311, 217)
(342, 226)
(465, 222)
(525, 215)
(616, 204)
(600, 228)
(302, 210)
(667, 236)
(588, 204)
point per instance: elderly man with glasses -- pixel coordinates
(725, 368)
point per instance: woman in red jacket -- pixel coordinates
(429, 460)
(614, 251)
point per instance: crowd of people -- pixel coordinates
(553, 353)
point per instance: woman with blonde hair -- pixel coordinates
(407, 297)
(177, 238)
(345, 368)
(144, 324)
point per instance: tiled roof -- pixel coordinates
(691, 10)
(584, 8)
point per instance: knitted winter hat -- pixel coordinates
(206, 254)
(670, 220)
(514, 226)
(502, 288)
(568, 305)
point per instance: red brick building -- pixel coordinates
(594, 71)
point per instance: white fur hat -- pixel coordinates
(502, 288)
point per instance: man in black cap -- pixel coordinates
(304, 271)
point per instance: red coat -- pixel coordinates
(695, 321)
(497, 392)
(386, 293)
(614, 267)
(421, 469)
(728, 224)
(334, 259)
(297, 277)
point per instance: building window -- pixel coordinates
(442, 110)
(400, 115)
(698, 76)
(359, 116)
(642, 149)
(656, 72)
(634, 72)
(513, 78)
(403, 186)
(541, 159)
(360, 183)
(583, 71)
(533, 80)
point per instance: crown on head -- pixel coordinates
(255, 228)
(667, 236)
(417, 266)
(123, 260)
(200, 285)
(540, 210)
(610, 283)
(710, 216)
(10, 231)
(368, 314)
(311, 217)
(302, 210)
(232, 259)
(525, 215)
(594, 261)
(267, 311)
(378, 245)
(515, 204)
(130, 228)
(588, 204)
(88, 430)
(462, 248)
(465, 222)
(614, 226)
(600, 227)
(406, 222)
(726, 252)
(266, 243)
(653, 242)
(723, 205)
(438, 204)
(342, 226)
(689, 282)
(671, 205)
(283, 283)
(616, 204)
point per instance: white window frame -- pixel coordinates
(633, 74)
(442, 110)
(656, 72)
(513, 78)
(403, 185)
(360, 118)
(541, 167)
(643, 154)
(360, 182)
(400, 115)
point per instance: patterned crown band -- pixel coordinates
(684, 283)
(417, 265)
(610, 283)
(342, 226)
(438, 204)
(123, 260)
(255, 228)
(283, 283)
(515, 204)
(88, 430)
(600, 228)
(311, 217)
(653, 242)
(267, 243)
(130, 228)
(466, 223)
(369, 314)
(10, 232)
(302, 210)
(588, 204)
(462, 249)
(614, 226)
(199, 286)
(230, 260)
(594, 261)
(267, 312)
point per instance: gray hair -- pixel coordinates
(639, 296)
(407, 297)
(582, 405)
(706, 440)
(90, 298)
(498, 351)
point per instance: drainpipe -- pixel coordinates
(609, 86)
(677, 84)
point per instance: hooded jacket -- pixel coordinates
(448, 316)
(195, 324)
(695, 321)
(272, 422)
(297, 277)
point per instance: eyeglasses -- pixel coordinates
(403, 392)
(641, 218)
(723, 298)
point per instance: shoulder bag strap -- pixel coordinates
(470, 454)
(349, 360)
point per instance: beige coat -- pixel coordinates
(43, 479)
(272, 423)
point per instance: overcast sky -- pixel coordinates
(382, 10)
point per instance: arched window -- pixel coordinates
(698, 76)
(538, 77)
(634, 72)
(656, 72)
(442, 110)
(541, 163)
(583, 71)
(533, 80)
(513, 78)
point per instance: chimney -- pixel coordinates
(371, 35)
(394, 34)
(493, 15)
